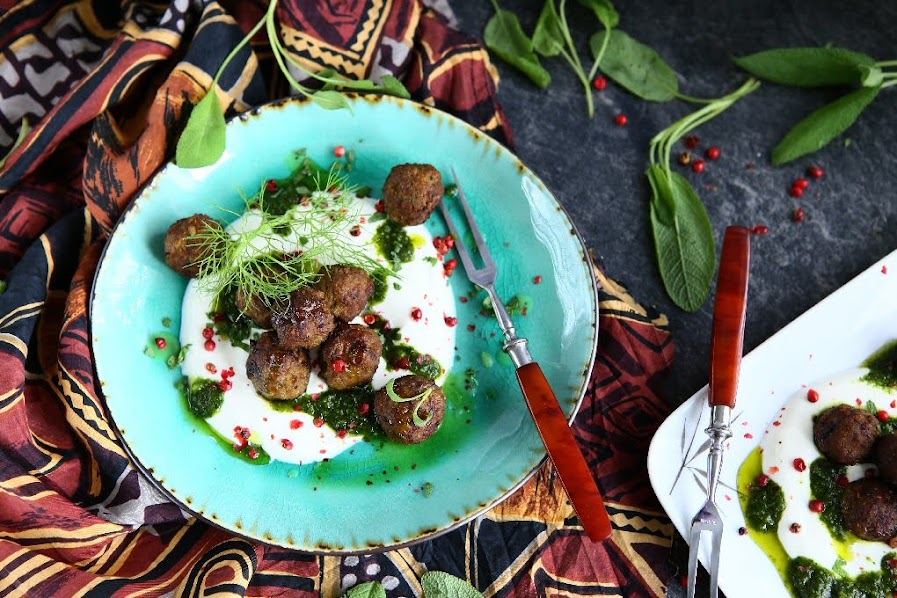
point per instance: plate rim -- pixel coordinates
(371, 99)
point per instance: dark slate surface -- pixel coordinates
(596, 168)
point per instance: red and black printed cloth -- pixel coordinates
(106, 88)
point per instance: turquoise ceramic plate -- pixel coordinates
(371, 499)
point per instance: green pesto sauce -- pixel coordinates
(767, 541)
(228, 321)
(204, 397)
(824, 486)
(807, 579)
(284, 194)
(765, 505)
(394, 244)
(226, 444)
(381, 286)
(399, 355)
(883, 367)
(173, 354)
(340, 409)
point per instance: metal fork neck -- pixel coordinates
(719, 431)
(515, 346)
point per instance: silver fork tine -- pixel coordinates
(714, 561)
(472, 223)
(459, 244)
(693, 541)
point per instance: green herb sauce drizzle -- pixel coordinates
(824, 485)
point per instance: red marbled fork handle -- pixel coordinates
(564, 451)
(727, 341)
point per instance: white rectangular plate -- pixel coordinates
(835, 335)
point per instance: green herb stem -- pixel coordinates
(890, 83)
(692, 99)
(600, 54)
(575, 62)
(243, 42)
(662, 144)
(886, 63)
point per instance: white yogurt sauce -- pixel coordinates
(791, 437)
(422, 285)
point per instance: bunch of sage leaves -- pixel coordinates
(436, 584)
(630, 63)
(204, 137)
(821, 67)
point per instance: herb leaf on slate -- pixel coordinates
(683, 239)
(817, 130)
(807, 67)
(548, 38)
(635, 66)
(504, 36)
(605, 12)
(683, 236)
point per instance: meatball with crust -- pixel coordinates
(886, 458)
(845, 434)
(350, 356)
(397, 418)
(347, 288)
(276, 372)
(869, 508)
(183, 250)
(306, 321)
(254, 308)
(412, 192)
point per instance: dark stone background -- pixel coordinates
(595, 168)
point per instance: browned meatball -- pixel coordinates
(254, 308)
(348, 290)
(350, 356)
(869, 507)
(845, 434)
(412, 192)
(886, 458)
(397, 418)
(183, 251)
(306, 321)
(276, 372)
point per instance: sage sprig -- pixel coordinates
(204, 137)
(435, 584)
(821, 67)
(683, 235)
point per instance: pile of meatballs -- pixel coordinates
(849, 435)
(317, 319)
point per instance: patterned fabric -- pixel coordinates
(107, 88)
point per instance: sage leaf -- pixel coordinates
(807, 67)
(817, 130)
(23, 131)
(203, 139)
(871, 76)
(635, 66)
(394, 87)
(438, 584)
(605, 12)
(683, 238)
(330, 100)
(371, 589)
(548, 38)
(505, 37)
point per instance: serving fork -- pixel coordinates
(727, 343)
(543, 404)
